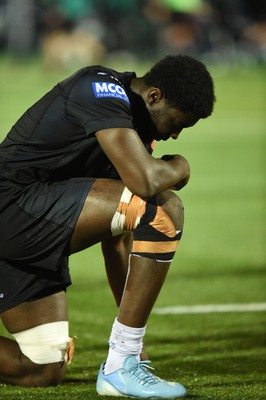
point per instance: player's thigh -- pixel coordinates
(94, 222)
(52, 308)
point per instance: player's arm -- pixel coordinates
(144, 175)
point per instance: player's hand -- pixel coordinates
(182, 164)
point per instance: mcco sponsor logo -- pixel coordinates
(108, 89)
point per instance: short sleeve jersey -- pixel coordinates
(55, 138)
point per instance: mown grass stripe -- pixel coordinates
(211, 308)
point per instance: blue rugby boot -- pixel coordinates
(135, 380)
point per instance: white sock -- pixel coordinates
(124, 341)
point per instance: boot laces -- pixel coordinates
(141, 374)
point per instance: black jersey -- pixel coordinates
(48, 164)
(55, 138)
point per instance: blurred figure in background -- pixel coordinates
(178, 24)
(72, 34)
(20, 28)
(127, 30)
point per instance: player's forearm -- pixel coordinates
(157, 176)
(170, 172)
(141, 173)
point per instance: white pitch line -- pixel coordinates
(211, 308)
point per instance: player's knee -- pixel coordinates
(47, 348)
(173, 207)
(160, 229)
(131, 210)
(157, 224)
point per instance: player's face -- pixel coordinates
(170, 121)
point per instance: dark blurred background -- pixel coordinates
(68, 32)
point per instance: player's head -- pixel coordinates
(185, 83)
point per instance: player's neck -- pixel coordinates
(138, 86)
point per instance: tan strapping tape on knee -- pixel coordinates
(140, 246)
(128, 214)
(163, 223)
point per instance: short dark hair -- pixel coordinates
(185, 82)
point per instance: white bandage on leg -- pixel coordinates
(128, 214)
(45, 344)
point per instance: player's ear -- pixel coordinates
(154, 96)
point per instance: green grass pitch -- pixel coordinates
(221, 258)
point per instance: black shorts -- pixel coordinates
(34, 239)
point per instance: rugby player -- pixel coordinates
(75, 170)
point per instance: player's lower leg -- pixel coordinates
(124, 373)
(22, 369)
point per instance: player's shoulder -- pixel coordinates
(98, 83)
(98, 73)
